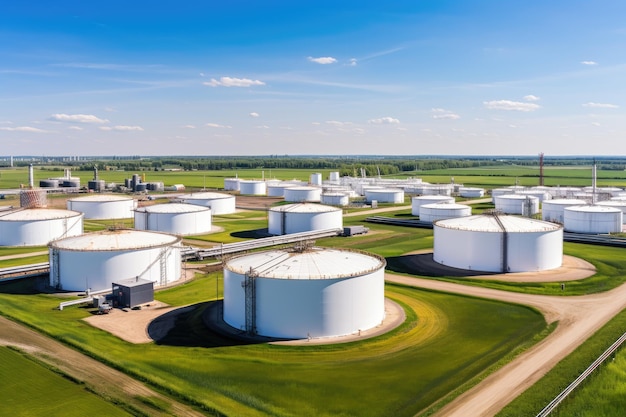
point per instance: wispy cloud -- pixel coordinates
(75, 128)
(337, 123)
(510, 105)
(77, 118)
(254, 114)
(601, 105)
(23, 129)
(233, 82)
(531, 97)
(323, 60)
(353, 62)
(121, 128)
(589, 63)
(217, 126)
(188, 127)
(438, 113)
(383, 121)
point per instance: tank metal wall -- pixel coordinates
(417, 202)
(386, 196)
(300, 195)
(432, 214)
(231, 184)
(39, 232)
(252, 187)
(285, 222)
(192, 223)
(335, 199)
(221, 205)
(301, 308)
(97, 270)
(592, 222)
(114, 209)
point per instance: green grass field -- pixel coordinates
(31, 389)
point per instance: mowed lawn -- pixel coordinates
(30, 389)
(446, 341)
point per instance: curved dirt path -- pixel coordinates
(578, 316)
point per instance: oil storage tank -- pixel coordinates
(498, 243)
(103, 206)
(304, 293)
(384, 195)
(96, 260)
(175, 218)
(303, 217)
(252, 187)
(553, 210)
(517, 204)
(38, 226)
(439, 211)
(219, 203)
(592, 219)
(615, 203)
(417, 202)
(231, 184)
(303, 194)
(335, 198)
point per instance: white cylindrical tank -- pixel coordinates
(33, 198)
(437, 189)
(303, 217)
(303, 194)
(231, 184)
(617, 204)
(497, 192)
(175, 218)
(385, 195)
(252, 187)
(593, 219)
(278, 189)
(553, 210)
(307, 294)
(440, 211)
(219, 203)
(96, 260)
(103, 206)
(335, 199)
(542, 195)
(517, 204)
(333, 176)
(471, 192)
(418, 201)
(316, 179)
(505, 244)
(38, 226)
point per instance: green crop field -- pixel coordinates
(30, 389)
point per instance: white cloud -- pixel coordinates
(217, 126)
(78, 118)
(121, 128)
(383, 121)
(254, 114)
(75, 128)
(601, 105)
(324, 60)
(188, 127)
(233, 82)
(531, 97)
(440, 113)
(262, 127)
(510, 105)
(337, 123)
(353, 62)
(588, 62)
(110, 109)
(595, 124)
(23, 129)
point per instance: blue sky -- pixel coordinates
(291, 77)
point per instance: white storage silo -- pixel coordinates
(437, 189)
(303, 217)
(333, 177)
(471, 192)
(252, 187)
(103, 206)
(440, 211)
(418, 201)
(96, 260)
(553, 210)
(592, 219)
(278, 189)
(316, 179)
(304, 294)
(335, 199)
(497, 192)
(303, 194)
(231, 184)
(615, 203)
(385, 195)
(541, 195)
(38, 226)
(498, 244)
(517, 204)
(219, 203)
(175, 218)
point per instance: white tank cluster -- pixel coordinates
(418, 201)
(103, 206)
(494, 243)
(96, 260)
(175, 218)
(303, 194)
(440, 211)
(553, 210)
(299, 294)
(517, 204)
(219, 203)
(385, 195)
(592, 219)
(38, 226)
(303, 217)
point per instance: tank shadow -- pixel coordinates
(251, 234)
(423, 264)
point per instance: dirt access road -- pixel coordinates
(578, 316)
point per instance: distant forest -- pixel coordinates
(346, 165)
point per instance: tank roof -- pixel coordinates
(115, 240)
(594, 209)
(172, 208)
(304, 208)
(445, 206)
(206, 196)
(101, 198)
(313, 263)
(488, 223)
(565, 202)
(517, 196)
(37, 214)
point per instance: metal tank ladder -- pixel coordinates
(249, 286)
